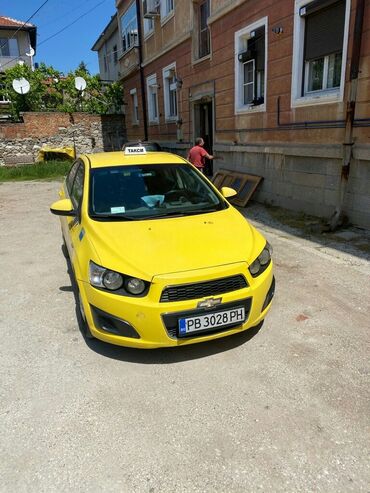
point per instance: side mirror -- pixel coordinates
(228, 192)
(63, 207)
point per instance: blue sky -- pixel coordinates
(65, 51)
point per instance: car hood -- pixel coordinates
(161, 246)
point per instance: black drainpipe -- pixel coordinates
(337, 216)
(142, 80)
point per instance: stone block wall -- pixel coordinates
(88, 133)
(303, 178)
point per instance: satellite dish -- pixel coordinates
(80, 83)
(21, 86)
(32, 52)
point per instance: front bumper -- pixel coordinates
(149, 323)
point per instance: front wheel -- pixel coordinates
(86, 329)
(65, 249)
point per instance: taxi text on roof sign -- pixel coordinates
(135, 150)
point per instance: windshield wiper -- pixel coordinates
(203, 211)
(183, 213)
(113, 217)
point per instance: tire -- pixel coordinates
(65, 249)
(86, 329)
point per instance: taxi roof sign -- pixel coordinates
(135, 150)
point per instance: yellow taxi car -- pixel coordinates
(160, 257)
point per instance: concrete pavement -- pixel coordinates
(285, 409)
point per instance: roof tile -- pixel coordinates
(9, 22)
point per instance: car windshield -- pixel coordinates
(149, 191)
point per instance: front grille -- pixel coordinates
(184, 292)
(171, 320)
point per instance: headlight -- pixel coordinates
(101, 277)
(112, 280)
(104, 278)
(262, 261)
(134, 285)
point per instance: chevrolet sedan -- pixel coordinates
(160, 257)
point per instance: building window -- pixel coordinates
(170, 92)
(148, 26)
(152, 91)
(9, 47)
(147, 22)
(134, 107)
(129, 30)
(320, 46)
(166, 7)
(250, 67)
(115, 54)
(203, 29)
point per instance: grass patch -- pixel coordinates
(44, 170)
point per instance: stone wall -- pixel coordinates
(88, 133)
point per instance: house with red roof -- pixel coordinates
(17, 42)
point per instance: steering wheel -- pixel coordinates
(176, 194)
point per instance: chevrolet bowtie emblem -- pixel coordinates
(209, 303)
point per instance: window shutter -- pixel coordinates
(256, 45)
(324, 31)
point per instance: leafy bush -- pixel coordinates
(52, 91)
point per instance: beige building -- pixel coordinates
(108, 48)
(17, 42)
(281, 90)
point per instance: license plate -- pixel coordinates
(211, 321)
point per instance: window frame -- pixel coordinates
(124, 32)
(147, 31)
(115, 54)
(166, 92)
(324, 96)
(12, 46)
(240, 41)
(71, 176)
(151, 83)
(200, 30)
(77, 203)
(135, 107)
(166, 12)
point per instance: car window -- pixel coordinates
(77, 187)
(150, 191)
(71, 176)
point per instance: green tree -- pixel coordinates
(82, 69)
(50, 90)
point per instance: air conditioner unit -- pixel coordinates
(151, 8)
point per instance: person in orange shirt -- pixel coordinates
(197, 154)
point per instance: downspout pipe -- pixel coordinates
(337, 218)
(141, 70)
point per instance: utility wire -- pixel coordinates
(57, 19)
(24, 23)
(71, 23)
(55, 34)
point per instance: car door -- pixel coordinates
(75, 189)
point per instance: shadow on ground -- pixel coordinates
(350, 240)
(161, 356)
